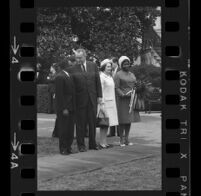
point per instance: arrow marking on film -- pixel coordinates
(15, 47)
(14, 143)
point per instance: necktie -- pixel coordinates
(83, 68)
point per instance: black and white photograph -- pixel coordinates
(99, 98)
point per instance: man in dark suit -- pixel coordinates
(72, 62)
(88, 94)
(65, 106)
(51, 83)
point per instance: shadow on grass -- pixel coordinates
(144, 174)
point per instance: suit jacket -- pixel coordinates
(87, 84)
(51, 84)
(64, 92)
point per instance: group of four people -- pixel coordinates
(81, 90)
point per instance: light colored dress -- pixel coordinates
(109, 99)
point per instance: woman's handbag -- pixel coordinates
(140, 105)
(102, 120)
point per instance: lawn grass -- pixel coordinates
(142, 174)
(50, 146)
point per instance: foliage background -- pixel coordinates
(103, 32)
(149, 73)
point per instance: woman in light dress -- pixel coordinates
(109, 99)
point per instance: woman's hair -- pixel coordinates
(102, 68)
(97, 63)
(115, 60)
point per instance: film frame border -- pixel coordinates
(175, 72)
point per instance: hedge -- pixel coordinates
(43, 99)
(149, 73)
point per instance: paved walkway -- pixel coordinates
(146, 136)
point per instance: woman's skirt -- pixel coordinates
(124, 116)
(111, 110)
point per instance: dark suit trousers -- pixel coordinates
(86, 115)
(65, 130)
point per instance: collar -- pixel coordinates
(109, 76)
(66, 73)
(85, 65)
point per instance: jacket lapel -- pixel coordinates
(67, 76)
(79, 69)
(88, 66)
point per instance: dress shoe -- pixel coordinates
(122, 145)
(128, 143)
(109, 146)
(82, 150)
(65, 152)
(102, 146)
(94, 148)
(70, 151)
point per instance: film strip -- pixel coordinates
(175, 97)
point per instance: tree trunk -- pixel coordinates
(143, 56)
(145, 52)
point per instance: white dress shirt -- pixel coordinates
(85, 65)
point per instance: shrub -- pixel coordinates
(149, 73)
(103, 32)
(43, 99)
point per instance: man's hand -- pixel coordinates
(65, 112)
(100, 100)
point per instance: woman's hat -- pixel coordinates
(104, 62)
(122, 59)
